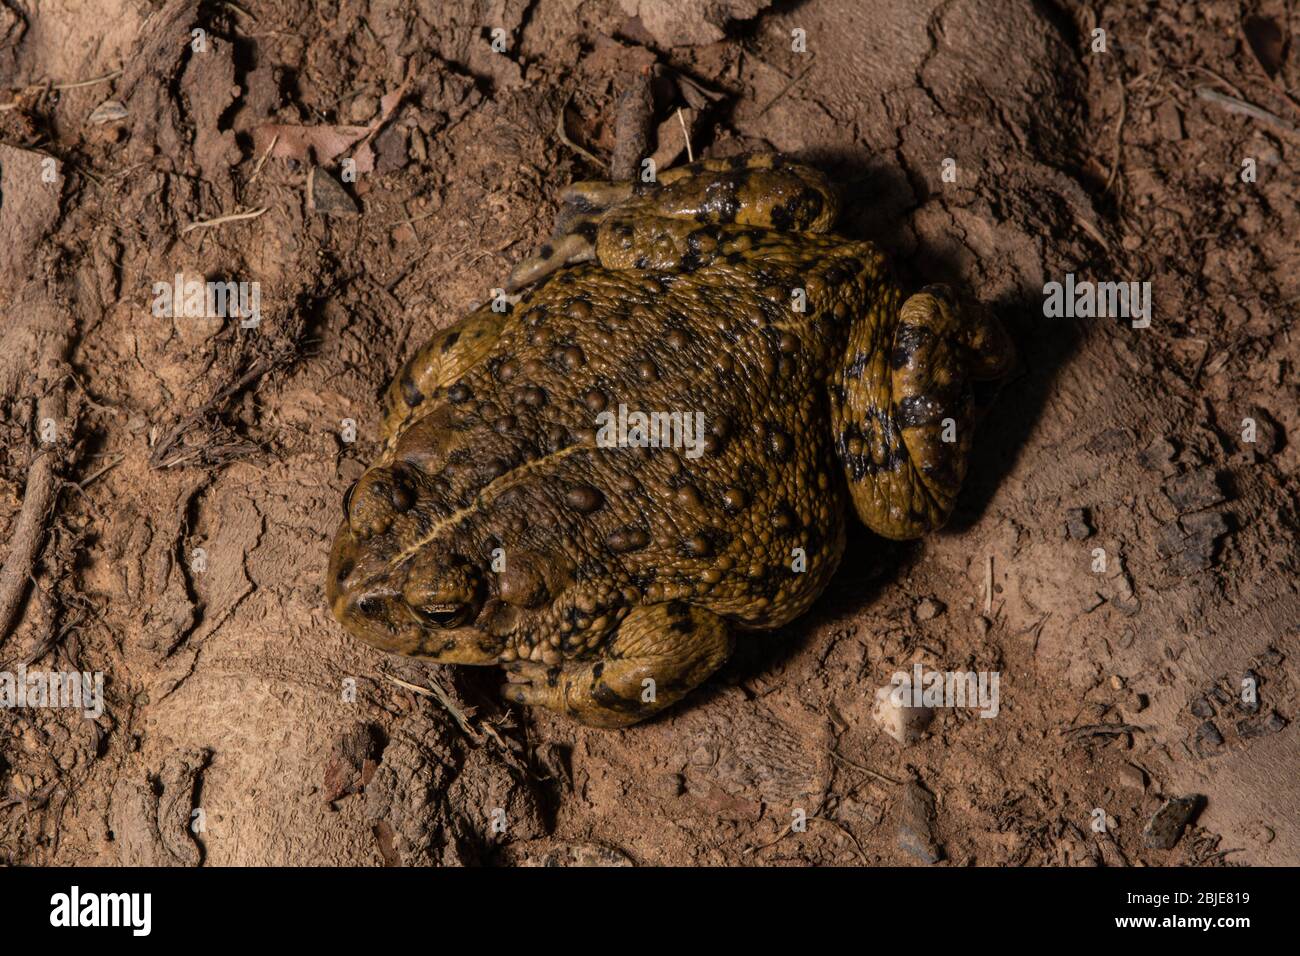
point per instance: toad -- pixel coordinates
(653, 452)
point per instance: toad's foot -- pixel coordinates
(648, 225)
(902, 406)
(660, 653)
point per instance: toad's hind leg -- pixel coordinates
(660, 653)
(902, 406)
(642, 225)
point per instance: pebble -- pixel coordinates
(914, 835)
(1134, 778)
(907, 724)
(927, 609)
(1166, 824)
(1077, 525)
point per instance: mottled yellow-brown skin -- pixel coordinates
(610, 581)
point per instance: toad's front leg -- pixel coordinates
(663, 224)
(660, 653)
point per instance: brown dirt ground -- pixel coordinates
(224, 686)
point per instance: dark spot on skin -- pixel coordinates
(401, 489)
(837, 274)
(411, 393)
(680, 621)
(908, 340)
(345, 568)
(584, 498)
(458, 393)
(855, 368)
(733, 499)
(641, 262)
(779, 443)
(697, 546)
(874, 431)
(546, 251)
(530, 396)
(629, 538)
(783, 216)
(451, 339)
(784, 519)
(597, 669)
(587, 231)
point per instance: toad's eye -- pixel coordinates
(442, 615)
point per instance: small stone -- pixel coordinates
(1167, 823)
(1077, 525)
(1250, 728)
(1134, 778)
(1188, 544)
(363, 107)
(1194, 490)
(1209, 735)
(1169, 121)
(1201, 708)
(327, 196)
(914, 835)
(905, 723)
(1157, 455)
(927, 609)
(404, 232)
(1134, 703)
(668, 785)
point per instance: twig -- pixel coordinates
(867, 770)
(631, 127)
(1119, 134)
(262, 162)
(231, 217)
(564, 138)
(1243, 108)
(29, 531)
(99, 79)
(988, 586)
(789, 86)
(1101, 730)
(159, 456)
(435, 691)
(690, 153)
(107, 468)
